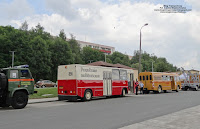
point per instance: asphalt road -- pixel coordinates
(100, 113)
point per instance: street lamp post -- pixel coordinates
(140, 47)
(152, 66)
(13, 56)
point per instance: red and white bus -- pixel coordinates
(84, 81)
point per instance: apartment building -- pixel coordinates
(103, 48)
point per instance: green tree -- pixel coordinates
(93, 55)
(118, 57)
(24, 26)
(62, 34)
(38, 57)
(76, 51)
(61, 54)
(136, 65)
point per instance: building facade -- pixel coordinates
(103, 48)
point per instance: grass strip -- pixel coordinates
(44, 91)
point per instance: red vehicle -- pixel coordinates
(85, 81)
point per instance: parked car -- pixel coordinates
(45, 83)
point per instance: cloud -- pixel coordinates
(195, 4)
(63, 7)
(174, 36)
(16, 9)
(52, 23)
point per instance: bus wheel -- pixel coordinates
(123, 93)
(159, 89)
(19, 100)
(177, 89)
(196, 88)
(165, 91)
(87, 95)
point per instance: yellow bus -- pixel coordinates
(160, 81)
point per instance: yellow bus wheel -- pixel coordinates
(159, 89)
(177, 89)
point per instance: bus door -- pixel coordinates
(172, 82)
(143, 80)
(148, 81)
(107, 83)
(131, 82)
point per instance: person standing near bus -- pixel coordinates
(136, 87)
(141, 88)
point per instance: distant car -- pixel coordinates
(45, 83)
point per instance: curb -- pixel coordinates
(32, 101)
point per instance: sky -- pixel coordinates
(116, 23)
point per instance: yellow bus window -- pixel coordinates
(140, 78)
(147, 77)
(150, 78)
(143, 77)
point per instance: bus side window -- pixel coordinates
(123, 75)
(150, 78)
(140, 78)
(147, 77)
(143, 77)
(115, 74)
(168, 78)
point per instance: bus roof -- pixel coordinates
(158, 73)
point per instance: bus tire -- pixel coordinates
(87, 95)
(19, 100)
(196, 88)
(159, 89)
(177, 89)
(165, 91)
(123, 93)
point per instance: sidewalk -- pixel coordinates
(184, 119)
(30, 101)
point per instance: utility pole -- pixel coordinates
(13, 56)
